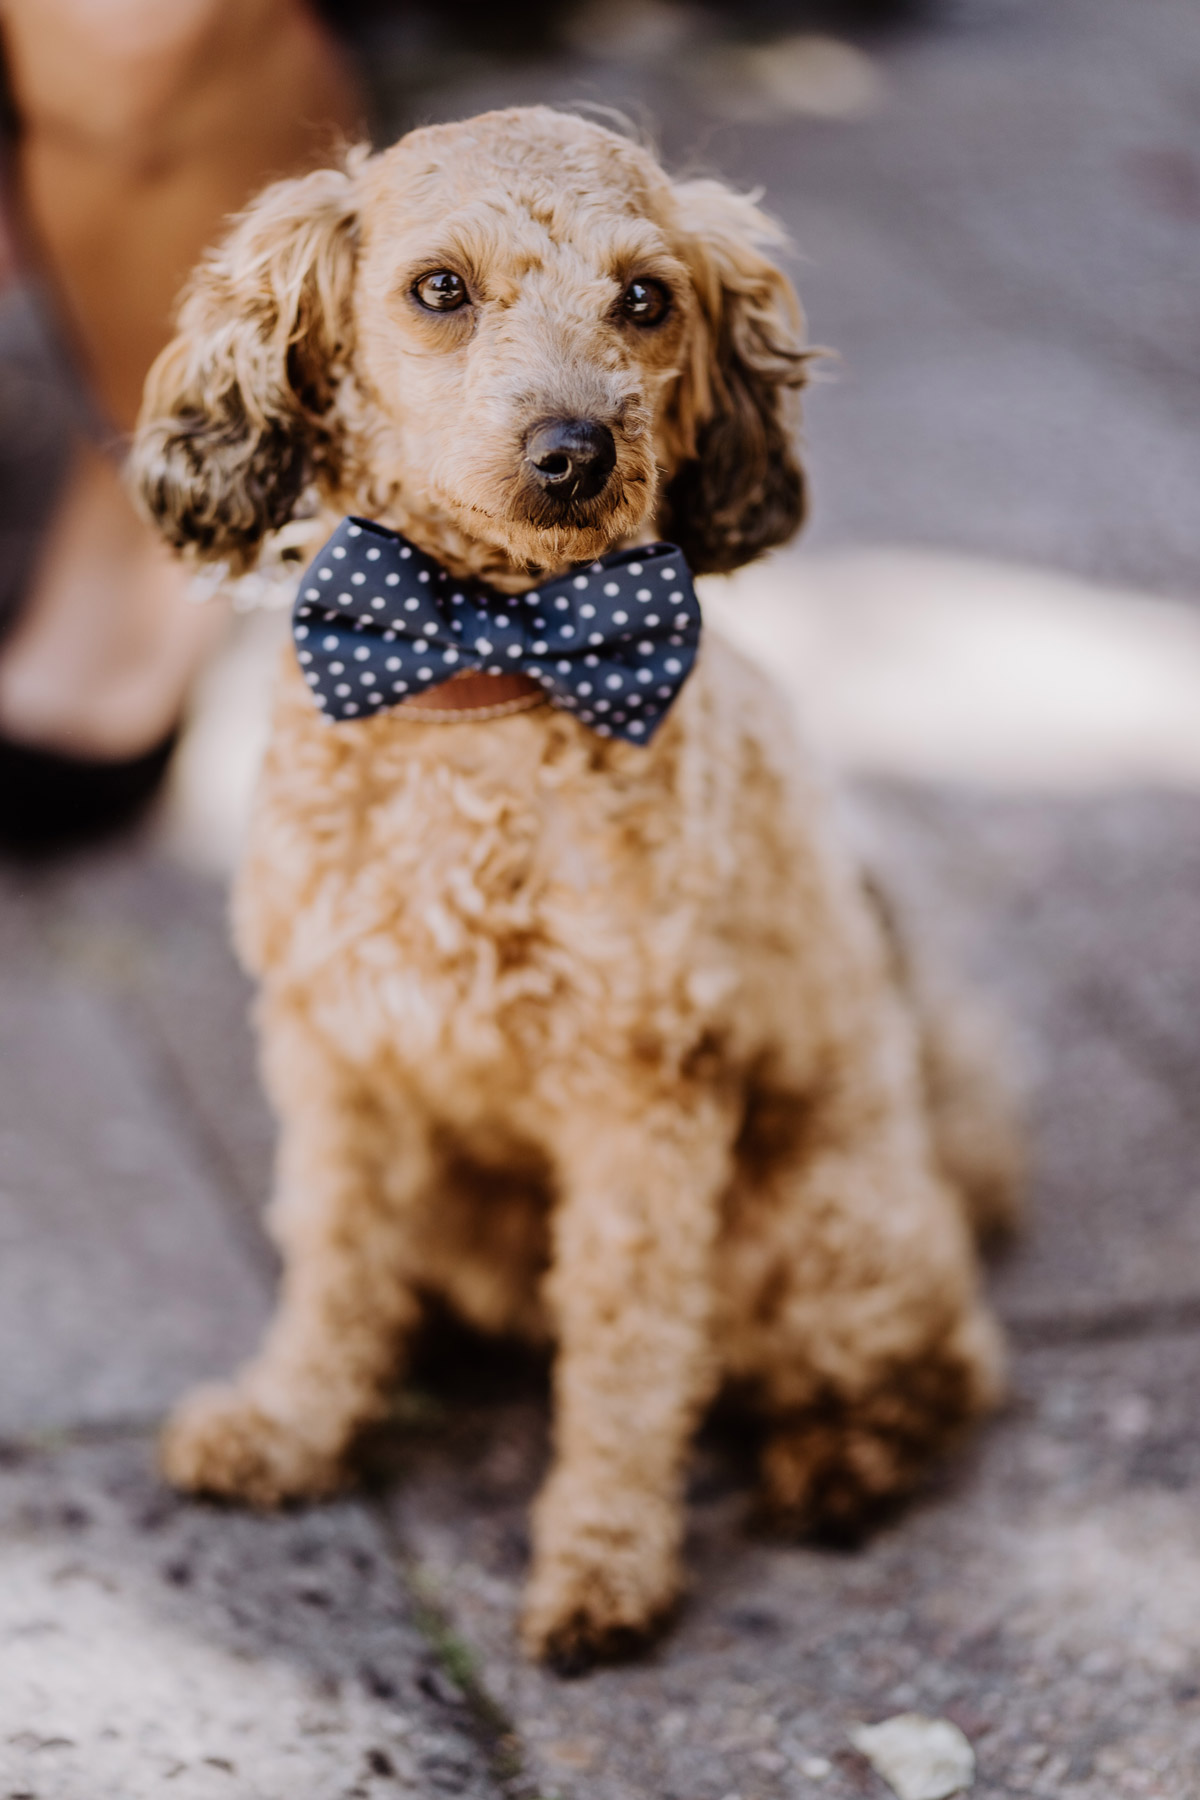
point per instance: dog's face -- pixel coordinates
(521, 320)
(514, 338)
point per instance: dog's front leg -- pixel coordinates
(349, 1176)
(631, 1292)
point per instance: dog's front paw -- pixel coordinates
(219, 1442)
(598, 1597)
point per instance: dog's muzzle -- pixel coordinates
(570, 459)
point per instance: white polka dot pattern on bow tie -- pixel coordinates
(376, 620)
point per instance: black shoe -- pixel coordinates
(50, 803)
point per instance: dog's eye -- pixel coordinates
(646, 302)
(442, 291)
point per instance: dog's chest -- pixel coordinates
(470, 904)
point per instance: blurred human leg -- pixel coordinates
(105, 646)
(139, 127)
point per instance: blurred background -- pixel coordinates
(990, 627)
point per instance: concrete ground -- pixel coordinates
(998, 226)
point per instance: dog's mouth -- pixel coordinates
(563, 512)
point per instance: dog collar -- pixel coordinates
(378, 622)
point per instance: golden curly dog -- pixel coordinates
(601, 1043)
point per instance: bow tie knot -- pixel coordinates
(377, 621)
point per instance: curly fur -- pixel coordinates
(600, 1043)
(239, 415)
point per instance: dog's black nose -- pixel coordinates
(572, 458)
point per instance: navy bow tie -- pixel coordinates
(378, 621)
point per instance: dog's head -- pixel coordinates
(513, 335)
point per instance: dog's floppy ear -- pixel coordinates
(737, 486)
(239, 413)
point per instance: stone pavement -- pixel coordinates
(987, 248)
